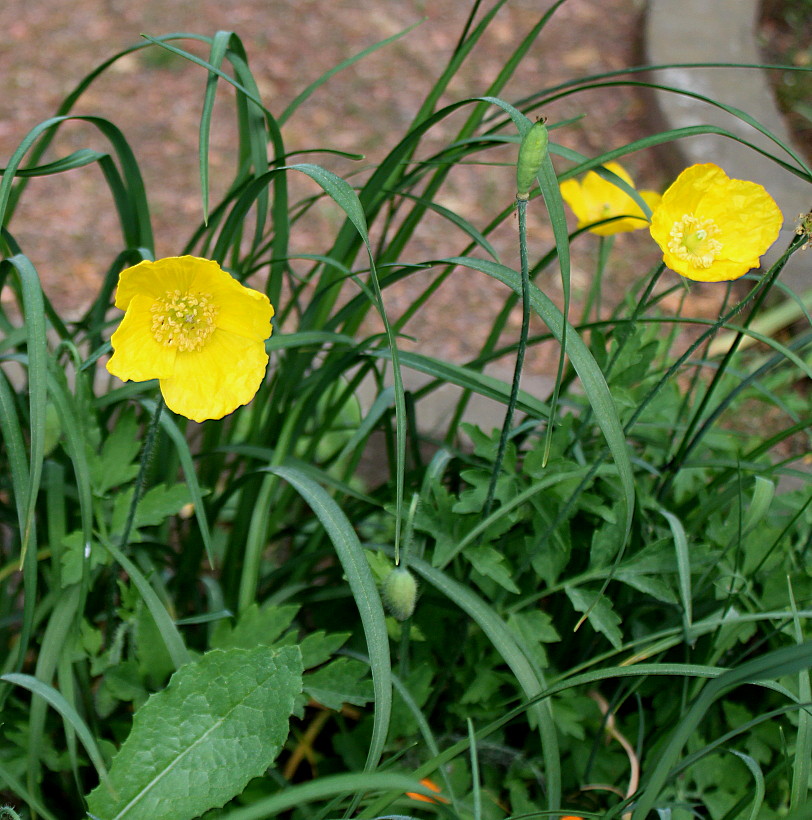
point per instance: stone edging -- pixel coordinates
(705, 31)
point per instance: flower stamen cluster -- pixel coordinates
(692, 240)
(183, 320)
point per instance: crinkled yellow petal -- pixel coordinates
(157, 278)
(212, 382)
(744, 216)
(243, 311)
(748, 219)
(720, 271)
(595, 199)
(136, 355)
(573, 194)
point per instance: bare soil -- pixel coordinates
(67, 226)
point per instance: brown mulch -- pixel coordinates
(67, 226)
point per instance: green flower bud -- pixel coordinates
(531, 154)
(400, 593)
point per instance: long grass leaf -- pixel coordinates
(802, 761)
(66, 710)
(529, 677)
(683, 566)
(365, 592)
(775, 664)
(328, 786)
(166, 628)
(344, 195)
(304, 95)
(190, 474)
(594, 383)
(217, 50)
(467, 378)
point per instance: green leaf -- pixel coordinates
(601, 615)
(343, 681)
(534, 628)
(157, 504)
(365, 594)
(196, 744)
(318, 647)
(256, 627)
(74, 554)
(117, 463)
(488, 562)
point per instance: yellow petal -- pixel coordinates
(573, 195)
(212, 382)
(243, 311)
(742, 216)
(136, 354)
(156, 278)
(596, 199)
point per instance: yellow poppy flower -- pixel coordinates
(196, 329)
(595, 199)
(712, 228)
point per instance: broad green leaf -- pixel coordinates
(255, 627)
(196, 744)
(345, 680)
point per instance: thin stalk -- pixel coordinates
(140, 481)
(521, 208)
(689, 440)
(594, 297)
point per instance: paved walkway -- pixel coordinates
(705, 31)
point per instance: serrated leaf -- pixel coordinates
(649, 584)
(115, 464)
(74, 556)
(256, 626)
(601, 615)
(318, 647)
(343, 681)
(157, 504)
(488, 562)
(534, 628)
(221, 721)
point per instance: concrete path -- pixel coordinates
(705, 31)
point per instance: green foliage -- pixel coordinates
(220, 721)
(612, 588)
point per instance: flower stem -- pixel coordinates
(521, 208)
(140, 481)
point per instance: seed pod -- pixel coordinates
(531, 154)
(400, 593)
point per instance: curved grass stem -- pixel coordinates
(521, 208)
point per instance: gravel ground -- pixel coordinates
(68, 228)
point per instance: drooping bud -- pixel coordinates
(532, 151)
(400, 593)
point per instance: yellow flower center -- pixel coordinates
(692, 240)
(183, 320)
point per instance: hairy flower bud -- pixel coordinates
(531, 154)
(400, 593)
